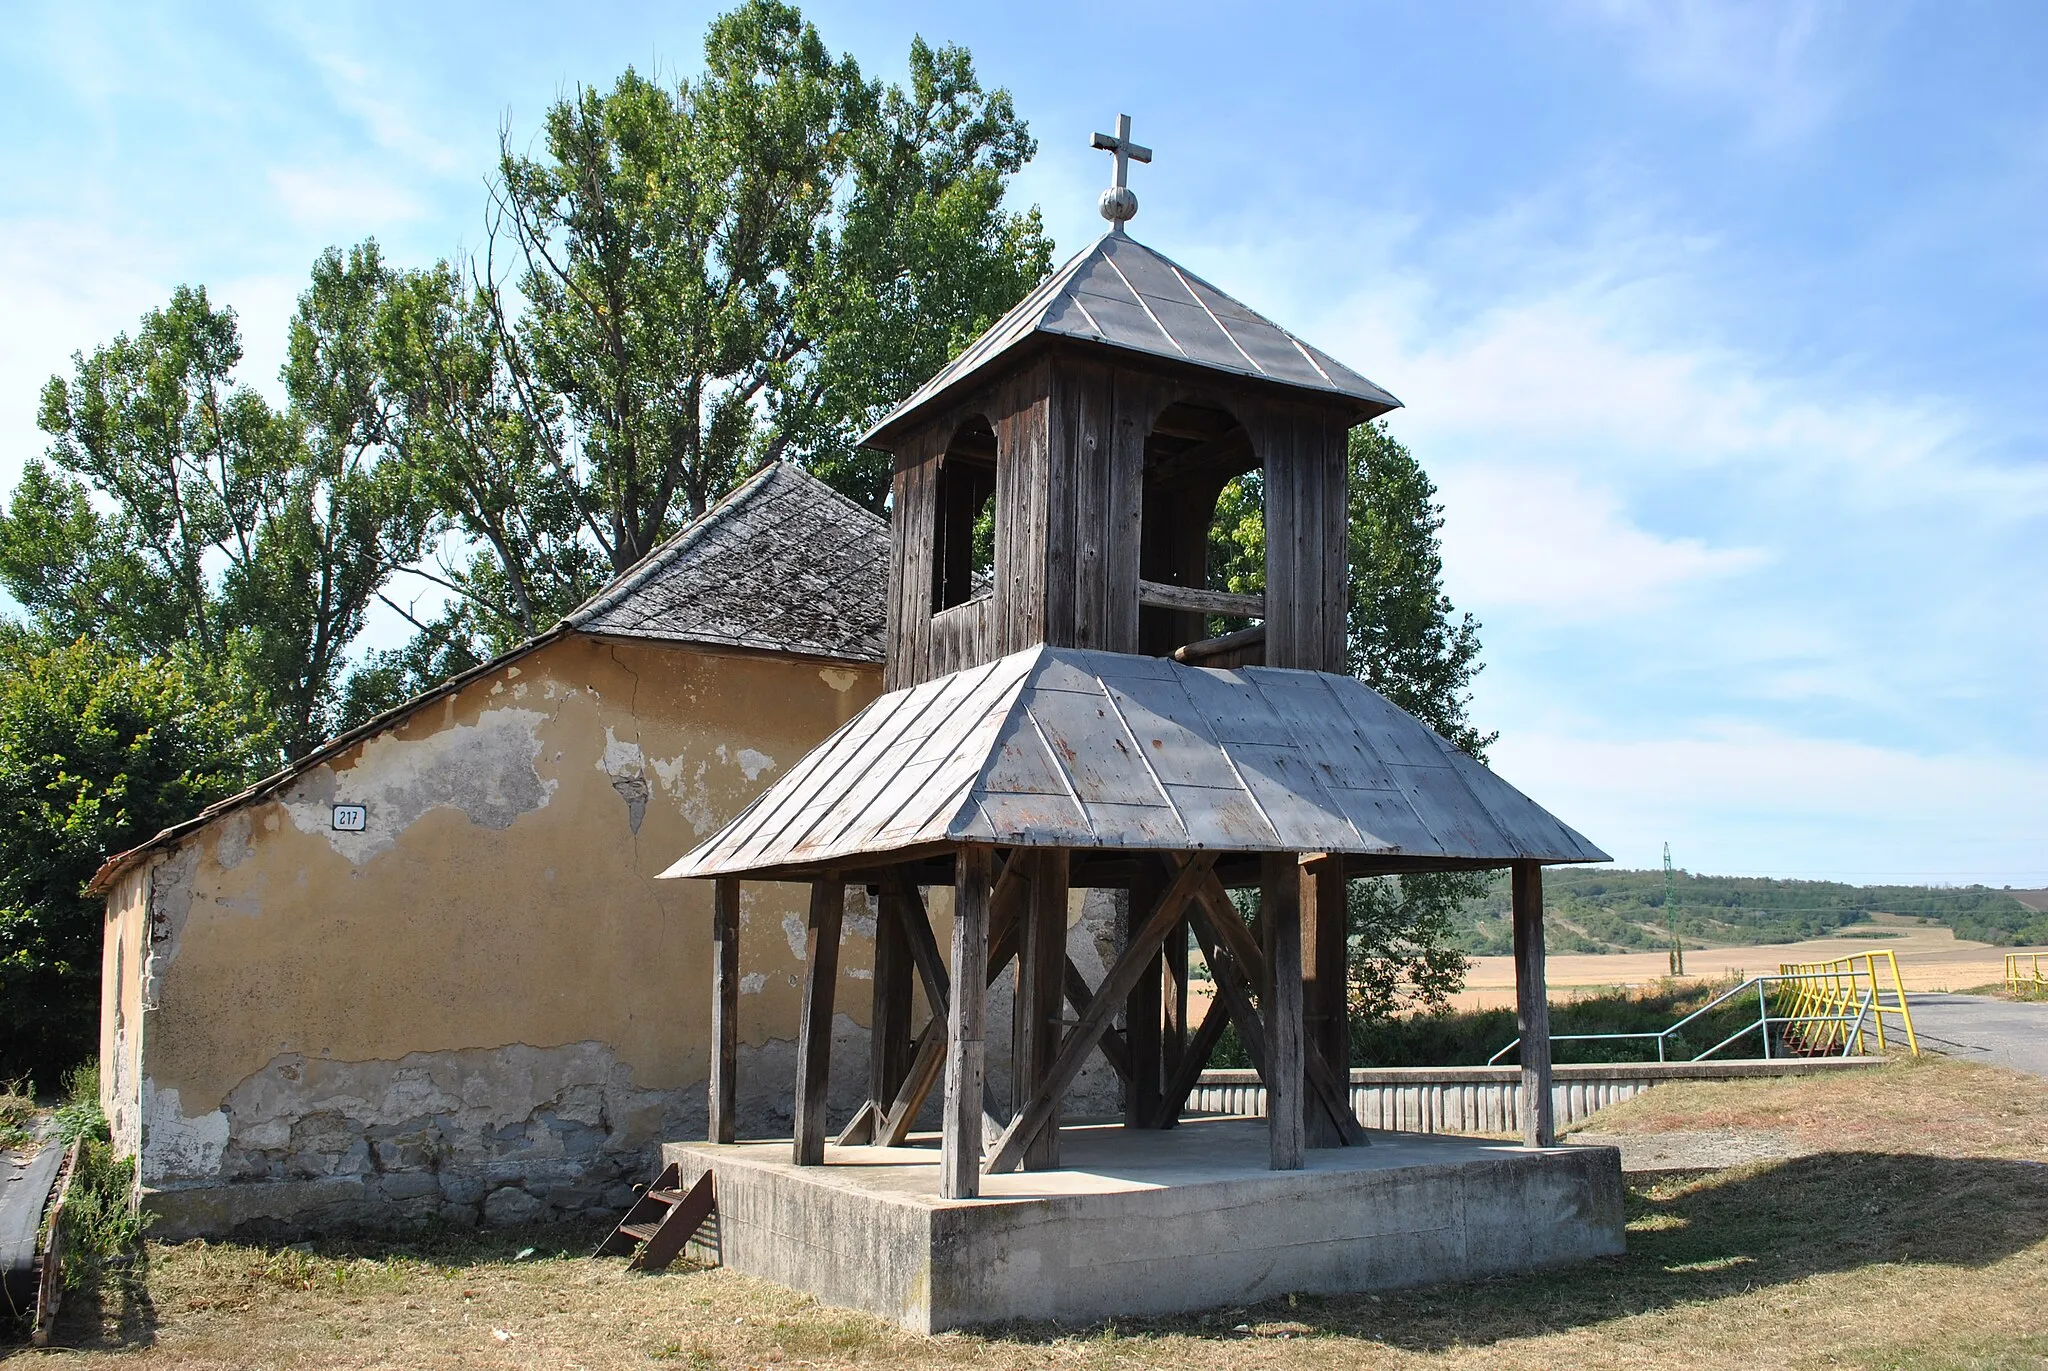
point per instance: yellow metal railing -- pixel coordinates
(2026, 971)
(1837, 1003)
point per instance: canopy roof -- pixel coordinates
(1121, 293)
(1065, 747)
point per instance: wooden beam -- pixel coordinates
(1173, 1035)
(960, 1148)
(1115, 1048)
(1195, 600)
(1532, 1007)
(1035, 1014)
(814, 1029)
(1325, 976)
(922, 942)
(1142, 1013)
(927, 1061)
(1194, 1061)
(725, 1008)
(889, 1024)
(1113, 993)
(1239, 964)
(1286, 1053)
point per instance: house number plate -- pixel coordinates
(351, 818)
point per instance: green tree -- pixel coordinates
(1406, 640)
(256, 538)
(749, 264)
(98, 751)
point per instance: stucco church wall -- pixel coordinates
(483, 1005)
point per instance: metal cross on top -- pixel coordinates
(1118, 202)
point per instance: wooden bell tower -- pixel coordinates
(1055, 484)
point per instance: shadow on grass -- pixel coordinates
(117, 1312)
(1691, 1239)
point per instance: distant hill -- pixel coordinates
(1605, 910)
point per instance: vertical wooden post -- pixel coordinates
(966, 1023)
(1041, 971)
(1532, 1007)
(1142, 1011)
(1325, 983)
(1173, 1040)
(814, 1028)
(1286, 1071)
(889, 1033)
(725, 1008)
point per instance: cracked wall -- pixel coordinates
(482, 1005)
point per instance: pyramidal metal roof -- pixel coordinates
(1123, 294)
(784, 563)
(1067, 747)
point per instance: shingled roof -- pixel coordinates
(1066, 747)
(1120, 293)
(784, 563)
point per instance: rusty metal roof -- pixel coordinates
(1123, 294)
(784, 563)
(1065, 747)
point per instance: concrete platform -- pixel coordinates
(1151, 1223)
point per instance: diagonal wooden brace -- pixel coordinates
(1237, 962)
(1193, 1063)
(928, 1057)
(1109, 998)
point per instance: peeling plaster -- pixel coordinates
(623, 762)
(173, 1145)
(233, 846)
(839, 678)
(486, 770)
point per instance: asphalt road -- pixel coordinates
(1977, 1028)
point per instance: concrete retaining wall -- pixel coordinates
(1488, 1099)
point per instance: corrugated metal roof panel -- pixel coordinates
(1040, 749)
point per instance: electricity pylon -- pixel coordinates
(1671, 915)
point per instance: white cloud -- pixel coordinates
(1754, 797)
(70, 285)
(1542, 538)
(1765, 59)
(352, 202)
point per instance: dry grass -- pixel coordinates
(1918, 1240)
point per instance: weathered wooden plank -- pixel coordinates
(1238, 963)
(1286, 1064)
(927, 1062)
(921, 943)
(889, 1023)
(1335, 500)
(1324, 981)
(1174, 1098)
(1089, 494)
(1532, 1006)
(960, 1148)
(1173, 1037)
(1114, 991)
(1142, 1011)
(1130, 415)
(725, 1008)
(1116, 1048)
(1041, 971)
(814, 1029)
(1198, 601)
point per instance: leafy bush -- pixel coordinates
(97, 753)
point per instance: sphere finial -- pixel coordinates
(1119, 204)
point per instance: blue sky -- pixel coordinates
(1722, 327)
